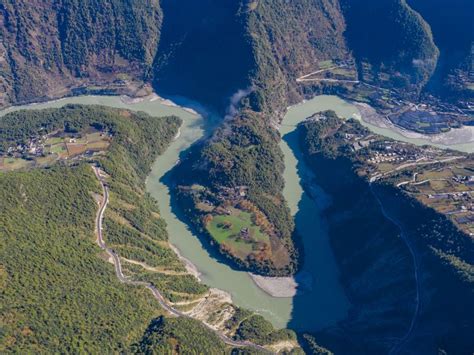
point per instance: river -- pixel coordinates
(319, 305)
(244, 291)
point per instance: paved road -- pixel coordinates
(156, 293)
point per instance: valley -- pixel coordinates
(423, 253)
(158, 264)
(313, 290)
(303, 183)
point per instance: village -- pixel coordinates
(47, 149)
(440, 179)
(425, 114)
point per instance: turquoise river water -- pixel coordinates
(320, 304)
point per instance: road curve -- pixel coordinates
(156, 293)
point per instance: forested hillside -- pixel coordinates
(50, 47)
(246, 53)
(453, 33)
(59, 294)
(289, 39)
(389, 288)
(392, 43)
(211, 49)
(59, 291)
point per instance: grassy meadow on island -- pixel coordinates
(237, 176)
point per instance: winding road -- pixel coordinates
(156, 293)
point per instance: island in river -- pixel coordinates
(134, 230)
(319, 299)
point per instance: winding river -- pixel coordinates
(322, 301)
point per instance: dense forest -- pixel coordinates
(254, 50)
(58, 235)
(54, 48)
(245, 153)
(179, 336)
(249, 52)
(58, 294)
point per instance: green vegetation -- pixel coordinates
(239, 315)
(246, 153)
(133, 39)
(224, 227)
(313, 347)
(260, 331)
(288, 40)
(10, 163)
(179, 335)
(443, 253)
(58, 295)
(47, 149)
(53, 45)
(238, 236)
(48, 221)
(388, 37)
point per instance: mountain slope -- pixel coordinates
(288, 40)
(392, 43)
(453, 32)
(211, 49)
(407, 269)
(58, 292)
(50, 47)
(203, 53)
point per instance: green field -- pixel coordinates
(54, 140)
(326, 64)
(14, 164)
(238, 233)
(223, 227)
(58, 148)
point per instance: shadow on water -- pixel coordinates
(321, 301)
(212, 251)
(208, 125)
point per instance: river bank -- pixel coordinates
(456, 136)
(282, 287)
(130, 100)
(313, 304)
(197, 259)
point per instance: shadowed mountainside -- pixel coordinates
(392, 43)
(453, 33)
